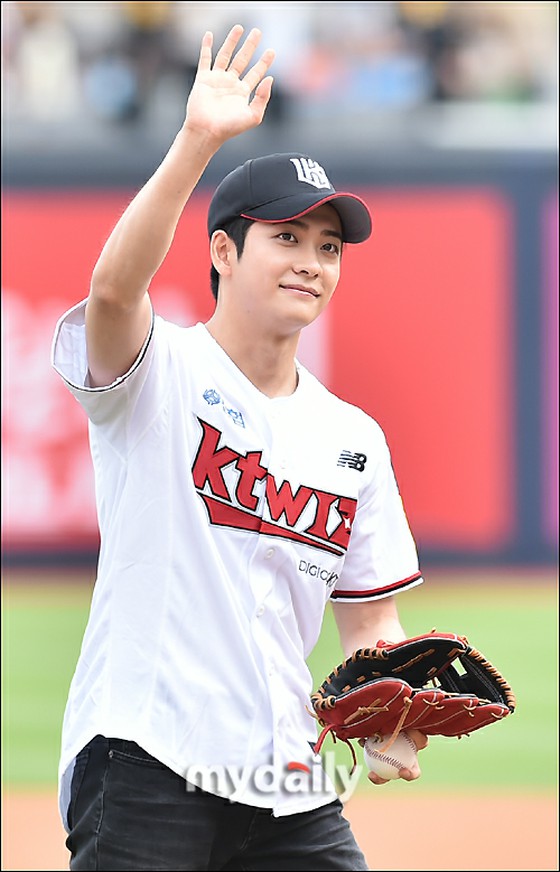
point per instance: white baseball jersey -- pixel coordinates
(228, 520)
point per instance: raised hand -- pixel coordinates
(220, 101)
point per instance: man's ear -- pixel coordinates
(222, 252)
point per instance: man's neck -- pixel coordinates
(268, 362)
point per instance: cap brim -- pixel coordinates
(355, 216)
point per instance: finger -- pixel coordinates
(410, 774)
(376, 779)
(259, 70)
(246, 52)
(419, 738)
(261, 98)
(205, 57)
(227, 49)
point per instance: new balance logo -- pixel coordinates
(311, 172)
(354, 461)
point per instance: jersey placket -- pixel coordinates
(271, 600)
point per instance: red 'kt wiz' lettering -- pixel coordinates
(281, 510)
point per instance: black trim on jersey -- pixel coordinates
(118, 381)
(377, 592)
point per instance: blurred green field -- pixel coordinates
(516, 628)
(514, 625)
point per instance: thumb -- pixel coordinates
(261, 98)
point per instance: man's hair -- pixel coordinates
(237, 231)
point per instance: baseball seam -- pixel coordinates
(384, 758)
(392, 761)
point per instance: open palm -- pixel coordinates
(220, 100)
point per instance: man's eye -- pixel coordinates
(331, 247)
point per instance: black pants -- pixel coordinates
(129, 811)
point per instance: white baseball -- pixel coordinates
(402, 754)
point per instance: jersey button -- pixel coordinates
(268, 554)
(260, 611)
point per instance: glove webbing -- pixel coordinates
(482, 676)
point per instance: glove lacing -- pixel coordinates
(360, 712)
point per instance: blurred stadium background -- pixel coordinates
(443, 116)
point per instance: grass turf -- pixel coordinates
(514, 626)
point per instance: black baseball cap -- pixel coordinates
(279, 187)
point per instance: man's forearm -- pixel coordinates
(142, 237)
(228, 97)
(363, 625)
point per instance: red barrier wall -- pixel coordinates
(424, 342)
(419, 334)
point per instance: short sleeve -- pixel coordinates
(382, 558)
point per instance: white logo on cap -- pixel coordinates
(311, 172)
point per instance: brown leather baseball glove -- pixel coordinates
(436, 683)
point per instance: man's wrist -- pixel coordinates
(199, 139)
